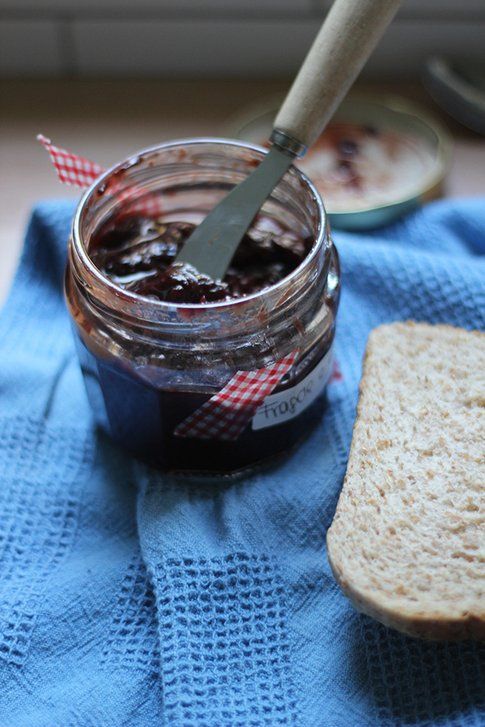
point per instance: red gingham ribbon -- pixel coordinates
(149, 204)
(81, 172)
(71, 168)
(226, 414)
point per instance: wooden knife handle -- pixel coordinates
(348, 36)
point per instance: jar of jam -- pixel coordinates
(189, 374)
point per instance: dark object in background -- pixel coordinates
(459, 88)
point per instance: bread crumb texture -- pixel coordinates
(407, 543)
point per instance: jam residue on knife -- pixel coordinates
(138, 253)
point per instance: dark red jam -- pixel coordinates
(141, 406)
(138, 254)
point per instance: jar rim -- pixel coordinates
(322, 236)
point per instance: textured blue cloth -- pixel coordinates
(129, 599)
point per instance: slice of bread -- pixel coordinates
(407, 544)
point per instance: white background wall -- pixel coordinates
(214, 37)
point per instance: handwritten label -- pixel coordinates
(285, 405)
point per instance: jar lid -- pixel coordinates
(378, 158)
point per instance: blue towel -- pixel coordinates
(127, 598)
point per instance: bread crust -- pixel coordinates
(350, 540)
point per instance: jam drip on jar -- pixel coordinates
(138, 253)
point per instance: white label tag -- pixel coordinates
(285, 405)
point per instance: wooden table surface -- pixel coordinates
(107, 120)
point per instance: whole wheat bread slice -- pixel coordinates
(407, 544)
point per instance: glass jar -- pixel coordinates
(149, 366)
